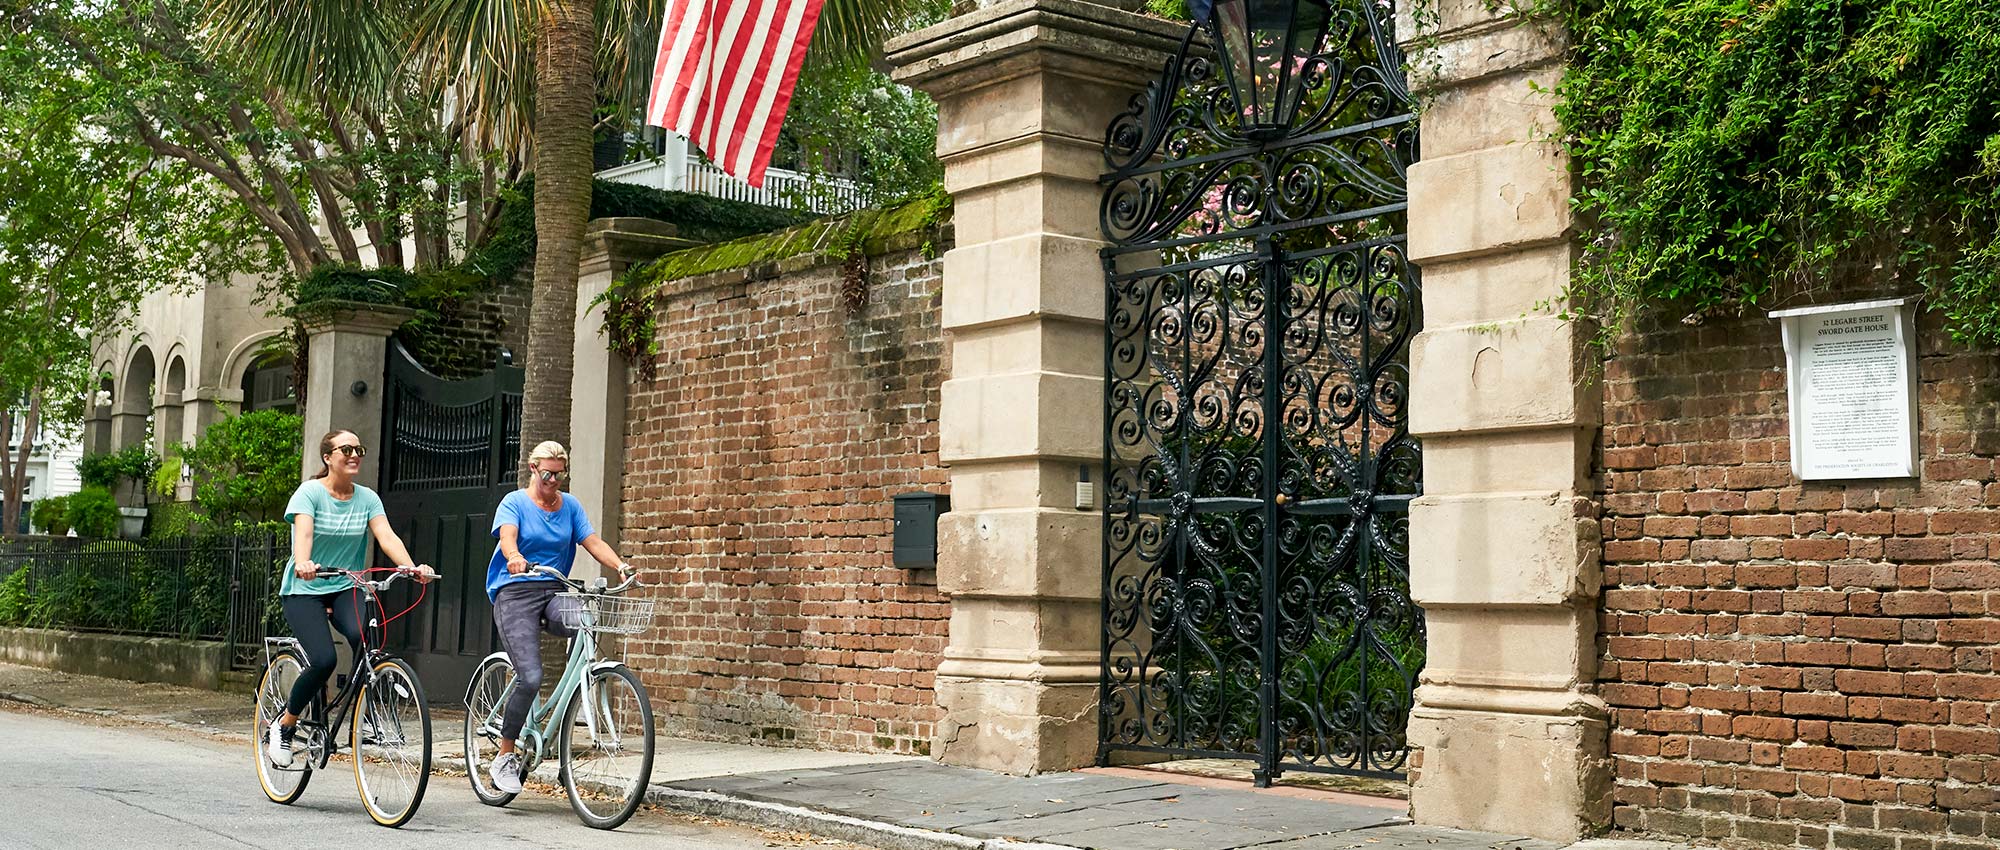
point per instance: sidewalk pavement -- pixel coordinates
(901, 803)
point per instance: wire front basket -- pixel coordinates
(605, 614)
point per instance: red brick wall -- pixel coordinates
(761, 463)
(1797, 663)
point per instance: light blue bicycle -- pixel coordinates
(598, 718)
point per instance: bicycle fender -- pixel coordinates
(500, 654)
(605, 665)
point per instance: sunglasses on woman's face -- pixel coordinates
(356, 450)
(553, 477)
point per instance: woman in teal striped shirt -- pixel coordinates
(332, 520)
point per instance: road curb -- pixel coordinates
(887, 836)
(780, 816)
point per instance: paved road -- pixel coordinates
(71, 782)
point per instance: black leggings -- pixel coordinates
(522, 611)
(308, 615)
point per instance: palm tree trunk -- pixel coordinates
(565, 98)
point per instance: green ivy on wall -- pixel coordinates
(631, 303)
(1737, 155)
(438, 294)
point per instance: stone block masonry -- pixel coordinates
(760, 466)
(1788, 663)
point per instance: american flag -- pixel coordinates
(724, 73)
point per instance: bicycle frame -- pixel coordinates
(334, 713)
(545, 717)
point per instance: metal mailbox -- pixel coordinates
(916, 528)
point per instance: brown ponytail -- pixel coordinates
(326, 448)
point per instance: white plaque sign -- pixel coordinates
(1852, 381)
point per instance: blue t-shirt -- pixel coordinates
(549, 538)
(340, 534)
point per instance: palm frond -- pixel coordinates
(853, 30)
(482, 54)
(351, 48)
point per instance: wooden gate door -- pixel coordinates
(448, 459)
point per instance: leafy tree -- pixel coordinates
(245, 467)
(306, 163)
(540, 68)
(850, 120)
(90, 221)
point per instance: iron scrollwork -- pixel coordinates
(1259, 465)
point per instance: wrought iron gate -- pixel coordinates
(448, 457)
(1258, 463)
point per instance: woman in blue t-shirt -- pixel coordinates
(538, 525)
(332, 520)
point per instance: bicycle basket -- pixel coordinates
(605, 614)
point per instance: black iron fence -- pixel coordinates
(220, 587)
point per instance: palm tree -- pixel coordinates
(504, 60)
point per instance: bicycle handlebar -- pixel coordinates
(631, 579)
(401, 571)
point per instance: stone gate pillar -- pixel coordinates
(347, 355)
(1025, 90)
(599, 379)
(1503, 548)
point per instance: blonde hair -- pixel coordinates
(548, 450)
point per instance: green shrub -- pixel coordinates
(345, 282)
(52, 515)
(14, 597)
(698, 217)
(166, 476)
(134, 463)
(170, 520)
(93, 512)
(122, 581)
(245, 467)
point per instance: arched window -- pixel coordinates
(267, 384)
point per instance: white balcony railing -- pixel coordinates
(677, 169)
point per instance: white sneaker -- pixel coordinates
(278, 744)
(506, 773)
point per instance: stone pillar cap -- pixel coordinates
(629, 239)
(631, 224)
(355, 317)
(1098, 40)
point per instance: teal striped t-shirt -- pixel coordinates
(340, 534)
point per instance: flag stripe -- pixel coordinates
(749, 89)
(718, 77)
(770, 117)
(730, 44)
(674, 37)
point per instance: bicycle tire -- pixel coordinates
(274, 688)
(379, 736)
(483, 696)
(613, 704)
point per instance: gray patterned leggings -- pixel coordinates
(522, 611)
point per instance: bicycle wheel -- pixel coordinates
(484, 699)
(608, 751)
(391, 737)
(281, 784)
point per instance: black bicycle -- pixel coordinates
(382, 706)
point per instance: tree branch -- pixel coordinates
(317, 170)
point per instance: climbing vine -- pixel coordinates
(1739, 154)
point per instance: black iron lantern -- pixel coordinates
(1266, 47)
